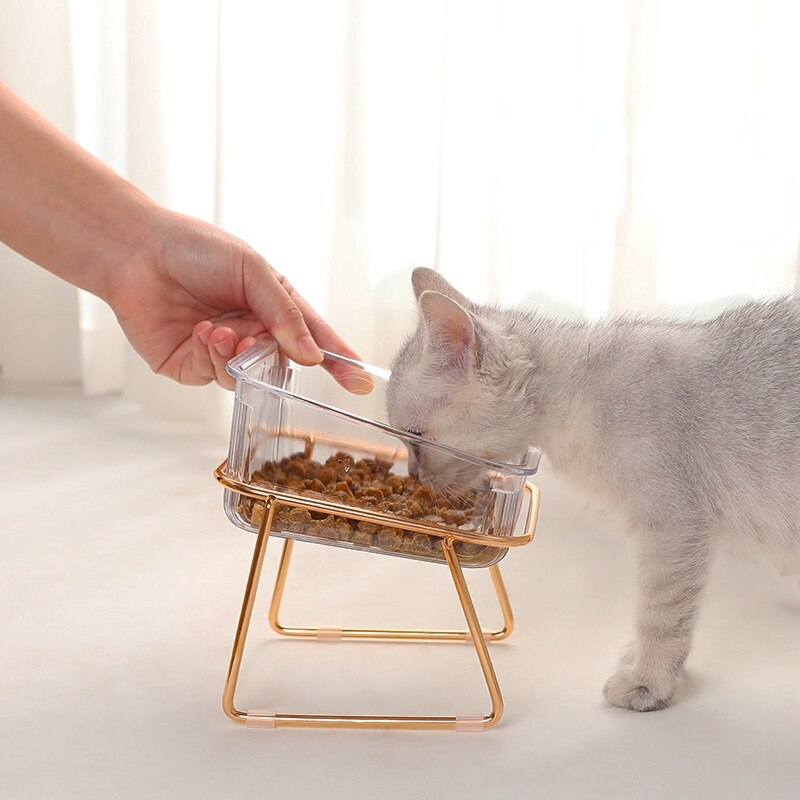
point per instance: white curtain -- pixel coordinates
(576, 157)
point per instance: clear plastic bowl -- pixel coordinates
(297, 433)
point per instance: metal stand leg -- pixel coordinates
(251, 587)
(383, 633)
(480, 643)
(475, 634)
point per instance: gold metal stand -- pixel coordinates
(479, 638)
(384, 633)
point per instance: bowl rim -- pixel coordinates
(239, 366)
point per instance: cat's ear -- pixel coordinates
(426, 280)
(449, 332)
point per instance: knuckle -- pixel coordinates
(284, 282)
(289, 317)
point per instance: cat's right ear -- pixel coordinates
(449, 332)
(426, 280)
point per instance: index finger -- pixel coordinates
(269, 295)
(352, 378)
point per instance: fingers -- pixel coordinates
(201, 368)
(351, 378)
(212, 348)
(297, 328)
(222, 344)
(269, 295)
(248, 341)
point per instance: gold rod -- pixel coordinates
(505, 604)
(363, 722)
(394, 634)
(478, 641)
(251, 588)
(280, 584)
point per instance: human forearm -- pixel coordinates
(62, 208)
(187, 294)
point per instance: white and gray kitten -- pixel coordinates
(690, 429)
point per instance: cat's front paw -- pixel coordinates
(627, 690)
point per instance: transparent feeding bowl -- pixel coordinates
(341, 471)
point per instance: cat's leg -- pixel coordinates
(628, 653)
(672, 573)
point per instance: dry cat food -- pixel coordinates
(370, 484)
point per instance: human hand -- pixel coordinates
(188, 295)
(195, 296)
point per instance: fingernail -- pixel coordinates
(357, 382)
(204, 333)
(308, 347)
(224, 348)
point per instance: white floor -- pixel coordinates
(120, 585)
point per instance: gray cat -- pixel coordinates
(691, 430)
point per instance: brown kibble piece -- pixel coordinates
(364, 534)
(389, 539)
(413, 508)
(342, 463)
(367, 527)
(299, 515)
(295, 469)
(379, 468)
(327, 527)
(345, 528)
(395, 483)
(363, 538)
(421, 544)
(454, 501)
(453, 516)
(326, 475)
(424, 496)
(255, 511)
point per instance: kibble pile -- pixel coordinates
(367, 483)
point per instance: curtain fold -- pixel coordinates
(579, 158)
(39, 315)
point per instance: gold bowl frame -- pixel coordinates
(273, 497)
